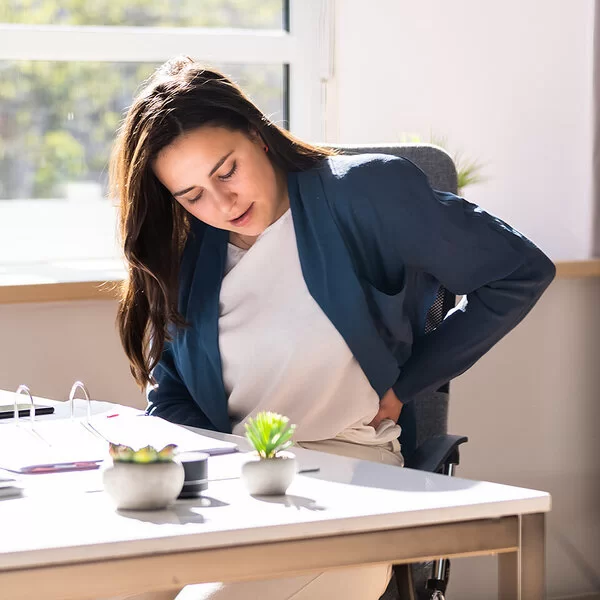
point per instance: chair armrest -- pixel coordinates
(433, 454)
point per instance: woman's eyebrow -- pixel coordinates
(219, 163)
(182, 192)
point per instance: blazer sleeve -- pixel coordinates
(472, 253)
(170, 399)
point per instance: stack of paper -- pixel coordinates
(76, 444)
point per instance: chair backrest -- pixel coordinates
(427, 416)
(435, 162)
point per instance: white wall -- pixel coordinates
(530, 408)
(49, 346)
(508, 83)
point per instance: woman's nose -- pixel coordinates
(224, 200)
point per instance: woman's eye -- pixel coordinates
(221, 177)
(195, 199)
(231, 172)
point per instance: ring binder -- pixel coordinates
(81, 386)
(23, 389)
(87, 425)
(81, 442)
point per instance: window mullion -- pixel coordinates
(143, 44)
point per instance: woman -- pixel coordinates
(266, 273)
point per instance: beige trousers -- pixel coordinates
(388, 454)
(358, 583)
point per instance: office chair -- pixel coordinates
(426, 446)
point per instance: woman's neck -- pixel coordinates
(244, 242)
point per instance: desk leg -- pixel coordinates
(508, 576)
(522, 575)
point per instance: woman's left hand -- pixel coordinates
(389, 408)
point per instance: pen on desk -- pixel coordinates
(60, 468)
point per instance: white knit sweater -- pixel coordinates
(280, 352)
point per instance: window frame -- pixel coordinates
(304, 51)
(304, 48)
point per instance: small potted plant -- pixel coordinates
(144, 479)
(270, 471)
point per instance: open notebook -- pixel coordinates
(82, 443)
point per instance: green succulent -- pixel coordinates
(269, 433)
(146, 455)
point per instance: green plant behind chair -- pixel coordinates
(468, 171)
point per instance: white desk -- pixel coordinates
(64, 543)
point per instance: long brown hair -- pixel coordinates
(181, 96)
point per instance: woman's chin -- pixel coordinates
(250, 231)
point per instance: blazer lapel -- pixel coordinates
(332, 280)
(201, 340)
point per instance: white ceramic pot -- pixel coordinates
(269, 476)
(138, 486)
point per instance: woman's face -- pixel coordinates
(224, 178)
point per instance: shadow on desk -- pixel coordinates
(180, 513)
(292, 501)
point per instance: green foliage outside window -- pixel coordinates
(250, 14)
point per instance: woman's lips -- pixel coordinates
(244, 218)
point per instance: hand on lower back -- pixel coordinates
(389, 408)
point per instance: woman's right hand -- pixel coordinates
(390, 407)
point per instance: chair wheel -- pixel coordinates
(437, 595)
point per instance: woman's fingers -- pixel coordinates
(389, 408)
(377, 419)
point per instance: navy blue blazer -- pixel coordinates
(375, 242)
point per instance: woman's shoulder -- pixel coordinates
(353, 168)
(353, 178)
(355, 184)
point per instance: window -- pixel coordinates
(68, 70)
